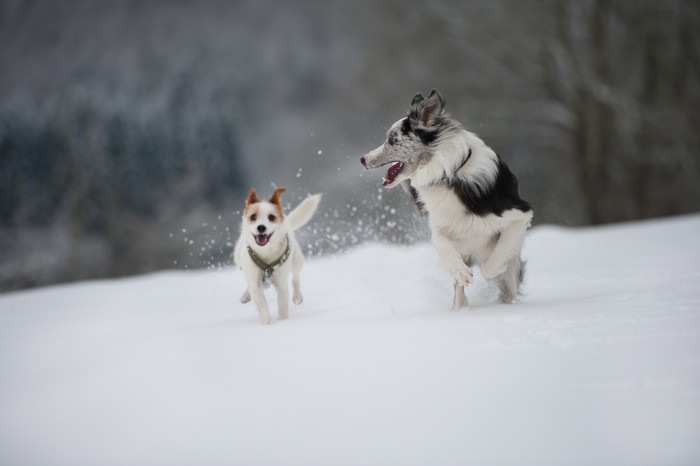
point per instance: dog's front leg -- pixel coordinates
(460, 299)
(282, 287)
(452, 260)
(509, 244)
(256, 292)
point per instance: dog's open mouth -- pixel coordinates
(392, 173)
(262, 239)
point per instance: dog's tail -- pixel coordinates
(298, 217)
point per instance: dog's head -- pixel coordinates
(409, 141)
(262, 219)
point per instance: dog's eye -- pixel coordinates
(392, 140)
(253, 217)
(271, 218)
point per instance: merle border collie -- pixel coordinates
(469, 194)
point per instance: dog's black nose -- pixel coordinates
(363, 161)
(262, 228)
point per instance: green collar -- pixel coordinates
(268, 269)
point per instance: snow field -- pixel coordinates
(598, 364)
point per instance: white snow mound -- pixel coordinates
(599, 364)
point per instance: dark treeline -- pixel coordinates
(90, 190)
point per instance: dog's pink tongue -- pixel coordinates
(393, 172)
(261, 240)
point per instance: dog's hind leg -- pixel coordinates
(509, 281)
(245, 297)
(297, 296)
(460, 299)
(297, 262)
(508, 246)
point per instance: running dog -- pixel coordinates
(267, 250)
(475, 213)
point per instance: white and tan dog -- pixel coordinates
(267, 250)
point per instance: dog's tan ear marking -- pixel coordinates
(275, 199)
(252, 198)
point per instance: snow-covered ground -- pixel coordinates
(599, 364)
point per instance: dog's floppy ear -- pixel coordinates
(252, 198)
(275, 198)
(423, 111)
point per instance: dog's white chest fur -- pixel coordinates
(472, 235)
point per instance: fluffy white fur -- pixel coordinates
(277, 226)
(457, 235)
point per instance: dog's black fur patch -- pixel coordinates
(426, 137)
(405, 126)
(417, 200)
(502, 196)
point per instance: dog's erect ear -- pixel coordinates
(434, 94)
(252, 198)
(433, 106)
(275, 198)
(423, 111)
(417, 98)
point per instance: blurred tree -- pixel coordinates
(109, 176)
(629, 74)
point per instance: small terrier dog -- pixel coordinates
(267, 250)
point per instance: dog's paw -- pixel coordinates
(297, 298)
(245, 297)
(265, 318)
(462, 276)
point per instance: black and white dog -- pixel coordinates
(476, 215)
